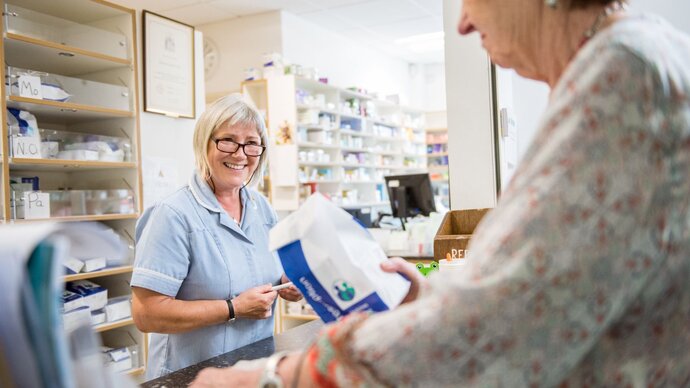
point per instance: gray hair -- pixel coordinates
(233, 109)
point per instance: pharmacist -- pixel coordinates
(203, 273)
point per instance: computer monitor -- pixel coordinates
(410, 195)
(362, 215)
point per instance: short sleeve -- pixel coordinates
(162, 251)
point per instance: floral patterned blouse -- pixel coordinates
(580, 277)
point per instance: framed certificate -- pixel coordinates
(168, 66)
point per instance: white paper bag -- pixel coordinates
(334, 261)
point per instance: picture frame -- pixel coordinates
(168, 66)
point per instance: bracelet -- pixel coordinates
(231, 310)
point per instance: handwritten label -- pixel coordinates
(30, 87)
(36, 205)
(26, 147)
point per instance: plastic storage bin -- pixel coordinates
(56, 144)
(74, 90)
(37, 25)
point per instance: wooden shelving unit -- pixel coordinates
(38, 41)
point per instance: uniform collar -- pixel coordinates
(204, 196)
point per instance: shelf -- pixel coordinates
(387, 153)
(352, 149)
(319, 164)
(436, 130)
(100, 217)
(98, 274)
(354, 133)
(442, 180)
(361, 182)
(365, 204)
(322, 110)
(326, 181)
(41, 55)
(307, 144)
(352, 116)
(437, 155)
(435, 142)
(384, 123)
(27, 164)
(353, 94)
(64, 111)
(135, 371)
(358, 165)
(113, 325)
(314, 85)
(301, 317)
(438, 168)
(390, 139)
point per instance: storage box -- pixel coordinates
(455, 233)
(120, 350)
(42, 26)
(95, 296)
(55, 87)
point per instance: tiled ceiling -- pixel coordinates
(377, 23)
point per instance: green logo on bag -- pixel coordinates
(345, 292)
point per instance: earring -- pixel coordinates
(551, 3)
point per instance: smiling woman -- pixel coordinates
(203, 273)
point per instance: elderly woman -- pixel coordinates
(203, 272)
(579, 277)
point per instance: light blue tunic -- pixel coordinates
(189, 248)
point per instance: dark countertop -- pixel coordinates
(293, 339)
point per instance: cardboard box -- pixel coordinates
(455, 233)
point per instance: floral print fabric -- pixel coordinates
(581, 275)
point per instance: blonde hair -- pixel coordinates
(233, 109)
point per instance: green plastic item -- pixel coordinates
(427, 269)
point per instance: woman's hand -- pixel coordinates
(255, 303)
(291, 293)
(410, 272)
(226, 377)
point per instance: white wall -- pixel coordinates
(345, 62)
(472, 170)
(167, 138)
(434, 91)
(241, 44)
(675, 11)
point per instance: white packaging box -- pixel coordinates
(75, 318)
(94, 264)
(97, 317)
(118, 308)
(71, 300)
(95, 296)
(73, 265)
(118, 359)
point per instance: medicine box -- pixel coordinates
(95, 296)
(455, 232)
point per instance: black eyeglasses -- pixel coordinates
(230, 146)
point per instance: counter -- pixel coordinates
(293, 339)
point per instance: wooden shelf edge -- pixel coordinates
(301, 317)
(69, 163)
(70, 105)
(71, 49)
(102, 217)
(135, 371)
(113, 325)
(98, 274)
